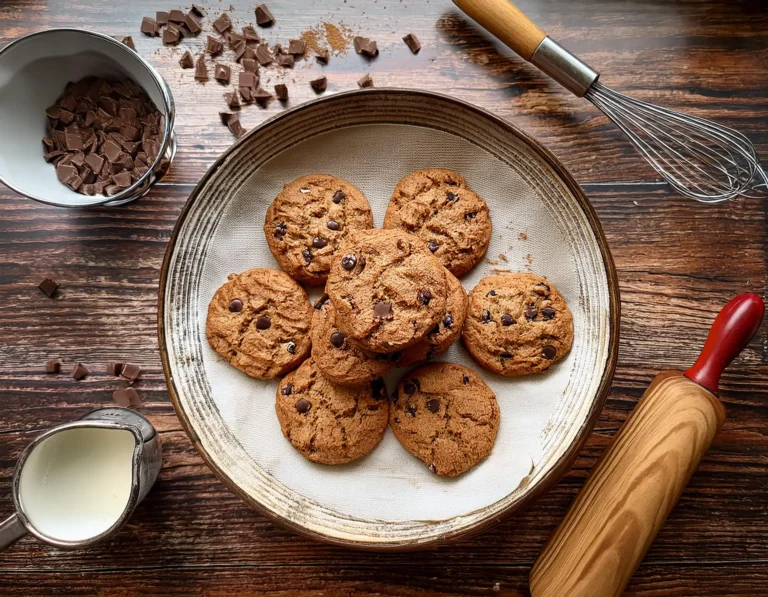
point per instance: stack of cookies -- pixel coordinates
(392, 299)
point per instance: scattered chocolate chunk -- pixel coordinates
(486, 316)
(507, 320)
(547, 313)
(192, 24)
(264, 18)
(337, 339)
(409, 388)
(339, 196)
(424, 296)
(382, 310)
(150, 27)
(366, 47)
(366, 81)
(250, 65)
(130, 372)
(170, 36)
(235, 305)
(233, 101)
(348, 262)
(281, 91)
(333, 225)
(53, 366)
(433, 405)
(176, 16)
(246, 79)
(263, 322)
(48, 287)
(448, 320)
(264, 55)
(223, 23)
(122, 180)
(186, 60)
(250, 34)
(246, 93)
(262, 95)
(286, 60)
(213, 46)
(234, 40)
(291, 347)
(412, 42)
(319, 85)
(433, 245)
(359, 43)
(126, 397)
(162, 17)
(114, 368)
(236, 128)
(287, 390)
(531, 312)
(466, 379)
(201, 71)
(128, 41)
(297, 47)
(79, 371)
(323, 56)
(549, 352)
(303, 406)
(222, 73)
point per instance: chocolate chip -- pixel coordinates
(470, 216)
(409, 388)
(424, 296)
(547, 313)
(360, 264)
(448, 320)
(287, 390)
(433, 245)
(432, 468)
(263, 322)
(303, 406)
(321, 301)
(264, 18)
(333, 225)
(435, 330)
(466, 379)
(507, 320)
(236, 305)
(337, 339)
(506, 355)
(397, 419)
(451, 196)
(394, 397)
(433, 405)
(79, 371)
(411, 410)
(491, 293)
(531, 312)
(486, 317)
(319, 242)
(307, 254)
(549, 352)
(53, 366)
(280, 230)
(339, 196)
(383, 310)
(349, 261)
(48, 286)
(130, 372)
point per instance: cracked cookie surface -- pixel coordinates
(388, 290)
(450, 218)
(309, 220)
(445, 415)
(517, 324)
(330, 423)
(259, 321)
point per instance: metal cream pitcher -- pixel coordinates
(79, 482)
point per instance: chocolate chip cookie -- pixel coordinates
(517, 324)
(452, 220)
(327, 422)
(440, 338)
(308, 221)
(387, 288)
(445, 415)
(259, 321)
(340, 361)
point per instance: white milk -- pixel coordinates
(76, 483)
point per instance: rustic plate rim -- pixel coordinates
(551, 477)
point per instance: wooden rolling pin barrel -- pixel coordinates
(638, 480)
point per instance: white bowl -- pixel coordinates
(34, 70)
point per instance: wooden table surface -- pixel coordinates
(678, 264)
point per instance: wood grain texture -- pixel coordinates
(678, 262)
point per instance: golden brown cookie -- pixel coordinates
(517, 324)
(259, 321)
(440, 338)
(388, 290)
(327, 422)
(338, 360)
(450, 218)
(445, 415)
(308, 221)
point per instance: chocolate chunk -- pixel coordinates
(297, 47)
(291, 347)
(286, 60)
(506, 355)
(486, 317)
(198, 10)
(236, 128)
(65, 172)
(232, 99)
(303, 406)
(368, 49)
(250, 65)
(74, 140)
(366, 81)
(319, 242)
(466, 379)
(323, 56)
(162, 17)
(263, 322)
(53, 366)
(360, 264)
(424, 296)
(149, 27)
(126, 397)
(547, 313)
(48, 287)
(287, 390)
(79, 371)
(213, 46)
(222, 73)
(122, 180)
(114, 368)
(250, 34)
(383, 310)
(264, 18)
(507, 320)
(281, 91)
(448, 320)
(223, 23)
(186, 60)
(246, 79)
(412, 42)
(339, 196)
(359, 43)
(176, 16)
(337, 339)
(319, 85)
(128, 41)
(433, 245)
(246, 93)
(433, 405)
(280, 230)
(235, 305)
(307, 254)
(201, 71)
(321, 301)
(531, 312)
(491, 293)
(468, 217)
(549, 352)
(262, 95)
(451, 196)
(409, 388)
(239, 51)
(170, 36)
(234, 40)
(130, 372)
(263, 55)
(192, 24)
(333, 225)
(348, 262)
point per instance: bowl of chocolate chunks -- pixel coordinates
(86, 120)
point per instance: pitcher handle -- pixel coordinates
(11, 530)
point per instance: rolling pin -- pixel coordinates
(640, 476)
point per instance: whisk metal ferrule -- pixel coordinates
(554, 60)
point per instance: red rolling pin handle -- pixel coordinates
(731, 332)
